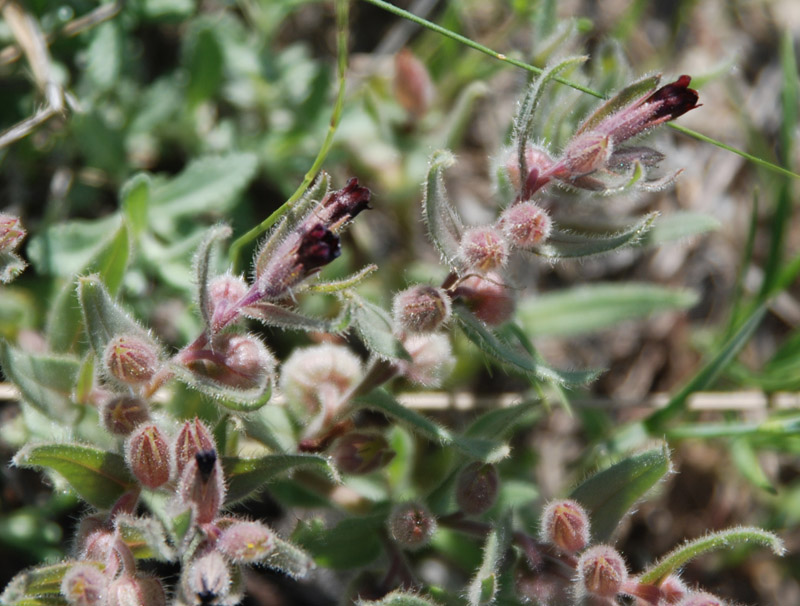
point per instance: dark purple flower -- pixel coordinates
(340, 206)
(318, 246)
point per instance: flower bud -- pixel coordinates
(207, 580)
(98, 545)
(315, 378)
(413, 88)
(411, 525)
(565, 524)
(487, 297)
(247, 359)
(476, 490)
(122, 414)
(202, 485)
(131, 359)
(602, 571)
(483, 248)
(432, 359)
(136, 590)
(224, 292)
(673, 590)
(702, 598)
(147, 454)
(526, 225)
(193, 437)
(84, 585)
(360, 453)
(537, 160)
(421, 308)
(245, 542)
(11, 232)
(585, 154)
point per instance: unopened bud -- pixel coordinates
(432, 359)
(193, 437)
(702, 598)
(207, 580)
(147, 455)
(245, 542)
(98, 545)
(565, 524)
(421, 308)
(477, 487)
(224, 292)
(11, 232)
(122, 414)
(203, 486)
(131, 359)
(136, 590)
(483, 249)
(411, 525)
(586, 153)
(526, 225)
(487, 297)
(413, 88)
(602, 571)
(84, 585)
(673, 590)
(314, 378)
(536, 159)
(248, 361)
(360, 453)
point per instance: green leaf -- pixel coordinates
(247, 476)
(724, 539)
(609, 494)
(564, 244)
(497, 424)
(678, 226)
(42, 581)
(272, 314)
(44, 380)
(99, 477)
(488, 451)
(207, 185)
(236, 399)
(145, 537)
(477, 332)
(352, 543)
(623, 98)
(202, 262)
(205, 67)
(374, 326)
(109, 263)
(746, 461)
(444, 224)
(134, 200)
(399, 598)
(590, 308)
(104, 56)
(483, 588)
(289, 559)
(11, 266)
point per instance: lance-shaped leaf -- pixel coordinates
(145, 537)
(109, 262)
(289, 559)
(610, 493)
(247, 476)
(374, 326)
(400, 598)
(724, 539)
(444, 224)
(99, 477)
(352, 543)
(134, 200)
(477, 332)
(44, 381)
(335, 286)
(633, 92)
(498, 423)
(104, 318)
(40, 582)
(483, 587)
(11, 265)
(678, 226)
(236, 399)
(566, 244)
(202, 261)
(489, 451)
(589, 308)
(272, 314)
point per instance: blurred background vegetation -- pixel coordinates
(223, 106)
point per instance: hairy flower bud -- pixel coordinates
(477, 487)
(411, 525)
(585, 154)
(432, 359)
(413, 87)
(224, 292)
(421, 308)
(602, 571)
(526, 225)
(360, 452)
(202, 485)
(131, 359)
(207, 580)
(147, 455)
(673, 590)
(702, 598)
(565, 524)
(537, 160)
(245, 542)
(487, 297)
(122, 414)
(136, 590)
(237, 361)
(483, 248)
(193, 437)
(11, 232)
(84, 585)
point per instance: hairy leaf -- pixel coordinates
(247, 476)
